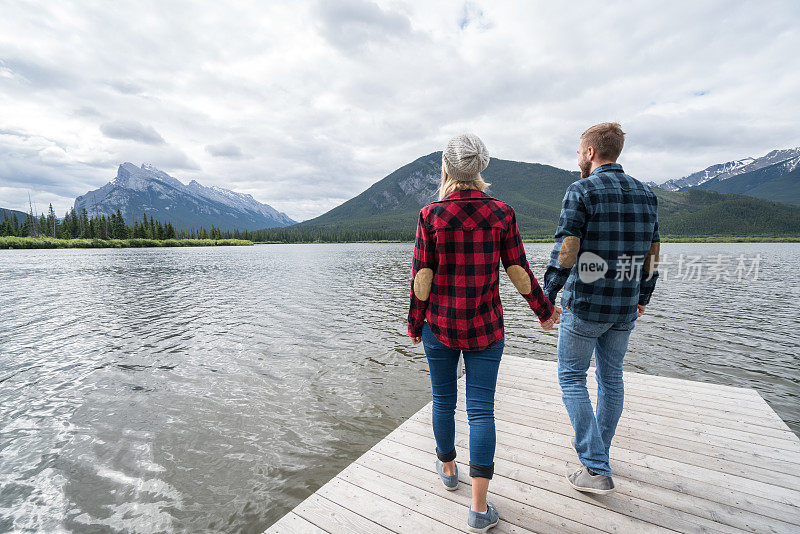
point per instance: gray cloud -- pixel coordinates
(126, 87)
(87, 111)
(350, 25)
(225, 150)
(30, 72)
(133, 130)
(168, 158)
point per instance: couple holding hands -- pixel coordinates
(607, 218)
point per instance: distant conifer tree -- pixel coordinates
(120, 230)
(51, 222)
(84, 223)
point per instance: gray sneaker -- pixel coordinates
(483, 522)
(450, 482)
(583, 480)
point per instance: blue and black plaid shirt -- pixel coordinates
(616, 219)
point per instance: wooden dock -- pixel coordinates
(687, 457)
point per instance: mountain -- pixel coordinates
(534, 190)
(725, 171)
(137, 190)
(21, 215)
(698, 213)
(780, 181)
(391, 206)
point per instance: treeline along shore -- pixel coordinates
(8, 242)
(302, 234)
(81, 231)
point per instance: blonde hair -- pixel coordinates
(450, 184)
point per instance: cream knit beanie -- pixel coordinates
(464, 157)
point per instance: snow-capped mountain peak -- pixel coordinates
(723, 171)
(240, 201)
(147, 189)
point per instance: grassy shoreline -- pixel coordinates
(703, 239)
(664, 239)
(12, 242)
(731, 239)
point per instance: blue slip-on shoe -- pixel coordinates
(450, 482)
(483, 522)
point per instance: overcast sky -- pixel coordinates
(306, 104)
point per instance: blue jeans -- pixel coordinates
(577, 339)
(481, 369)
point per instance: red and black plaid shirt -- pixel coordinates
(462, 239)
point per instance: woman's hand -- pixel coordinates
(554, 319)
(416, 340)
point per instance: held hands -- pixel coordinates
(546, 325)
(554, 319)
(639, 310)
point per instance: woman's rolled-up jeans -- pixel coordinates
(481, 369)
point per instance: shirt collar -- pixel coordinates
(465, 193)
(607, 167)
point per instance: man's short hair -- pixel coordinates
(607, 139)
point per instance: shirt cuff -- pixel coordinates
(416, 316)
(554, 280)
(413, 331)
(551, 294)
(549, 309)
(646, 286)
(542, 307)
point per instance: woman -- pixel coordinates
(455, 306)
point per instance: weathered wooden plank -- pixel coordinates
(753, 454)
(735, 509)
(419, 472)
(545, 373)
(743, 442)
(442, 512)
(561, 451)
(756, 408)
(292, 523)
(700, 427)
(548, 377)
(685, 406)
(529, 366)
(769, 447)
(549, 383)
(697, 472)
(691, 413)
(391, 515)
(615, 513)
(744, 439)
(325, 513)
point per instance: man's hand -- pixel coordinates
(554, 319)
(416, 340)
(639, 310)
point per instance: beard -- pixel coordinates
(585, 166)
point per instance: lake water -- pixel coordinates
(211, 389)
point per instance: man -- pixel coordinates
(605, 257)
